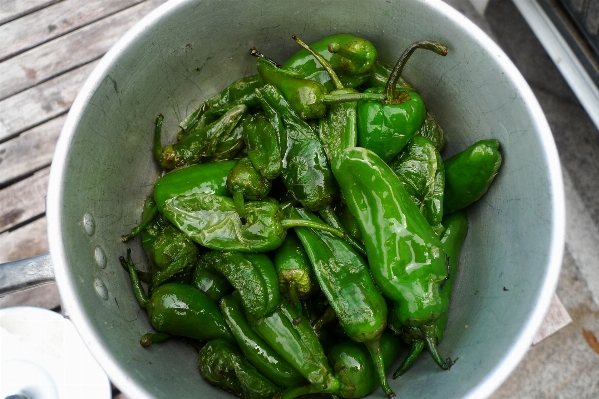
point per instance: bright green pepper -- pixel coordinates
(255, 349)
(262, 144)
(469, 174)
(206, 279)
(456, 227)
(431, 130)
(221, 363)
(180, 309)
(406, 258)
(420, 168)
(385, 127)
(199, 144)
(212, 221)
(344, 277)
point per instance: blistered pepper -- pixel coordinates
(262, 143)
(206, 279)
(344, 277)
(385, 127)
(469, 174)
(255, 349)
(221, 363)
(213, 222)
(406, 258)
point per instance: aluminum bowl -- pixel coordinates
(188, 50)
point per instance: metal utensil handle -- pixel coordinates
(26, 273)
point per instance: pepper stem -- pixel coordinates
(328, 316)
(289, 223)
(349, 97)
(158, 138)
(374, 347)
(152, 212)
(150, 338)
(322, 61)
(429, 332)
(146, 277)
(239, 204)
(329, 216)
(138, 290)
(415, 350)
(391, 87)
(255, 53)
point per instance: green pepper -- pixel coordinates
(350, 56)
(385, 127)
(456, 227)
(180, 309)
(213, 222)
(379, 76)
(406, 258)
(420, 168)
(262, 144)
(431, 130)
(205, 278)
(349, 222)
(294, 271)
(204, 178)
(256, 351)
(292, 337)
(221, 363)
(469, 174)
(239, 92)
(199, 144)
(344, 277)
(230, 144)
(245, 182)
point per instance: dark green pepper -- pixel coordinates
(431, 130)
(344, 277)
(420, 168)
(221, 363)
(256, 351)
(406, 258)
(180, 309)
(212, 221)
(385, 127)
(456, 227)
(244, 182)
(349, 222)
(199, 144)
(262, 144)
(469, 174)
(294, 270)
(206, 279)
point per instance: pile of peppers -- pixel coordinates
(307, 225)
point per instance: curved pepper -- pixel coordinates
(213, 222)
(256, 351)
(385, 127)
(344, 277)
(206, 279)
(262, 144)
(431, 130)
(420, 168)
(456, 227)
(180, 309)
(469, 174)
(221, 363)
(406, 258)
(245, 182)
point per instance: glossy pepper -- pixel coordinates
(456, 227)
(344, 277)
(469, 174)
(431, 130)
(180, 309)
(406, 258)
(262, 143)
(294, 270)
(205, 278)
(199, 144)
(255, 349)
(221, 363)
(239, 92)
(244, 182)
(385, 127)
(351, 57)
(420, 168)
(213, 222)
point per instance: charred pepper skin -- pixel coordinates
(406, 258)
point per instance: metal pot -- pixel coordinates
(186, 51)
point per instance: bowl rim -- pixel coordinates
(85, 326)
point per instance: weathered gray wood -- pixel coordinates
(29, 151)
(13, 9)
(25, 242)
(23, 200)
(41, 103)
(557, 318)
(51, 22)
(67, 52)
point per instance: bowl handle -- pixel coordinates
(26, 273)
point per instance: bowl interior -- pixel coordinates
(189, 50)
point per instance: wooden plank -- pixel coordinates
(24, 200)
(69, 51)
(52, 22)
(41, 103)
(556, 319)
(25, 242)
(13, 9)
(29, 151)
